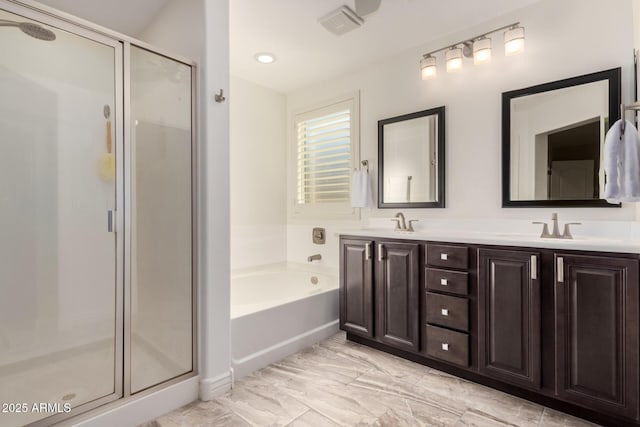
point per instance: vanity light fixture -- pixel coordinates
(265, 57)
(479, 48)
(454, 59)
(428, 67)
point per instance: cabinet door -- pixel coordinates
(398, 294)
(509, 316)
(356, 287)
(597, 332)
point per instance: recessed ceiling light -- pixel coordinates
(265, 57)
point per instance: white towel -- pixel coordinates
(622, 164)
(361, 194)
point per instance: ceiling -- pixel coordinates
(308, 53)
(129, 17)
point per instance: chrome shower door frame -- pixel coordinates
(128, 169)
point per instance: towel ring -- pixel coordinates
(623, 109)
(365, 164)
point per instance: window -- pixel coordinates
(325, 153)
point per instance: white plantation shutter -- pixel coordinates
(324, 152)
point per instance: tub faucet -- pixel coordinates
(316, 257)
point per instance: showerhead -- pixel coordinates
(32, 29)
(37, 31)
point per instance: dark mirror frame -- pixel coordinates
(440, 190)
(614, 78)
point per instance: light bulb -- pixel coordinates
(428, 67)
(514, 41)
(265, 57)
(482, 51)
(454, 59)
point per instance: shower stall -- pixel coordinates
(97, 217)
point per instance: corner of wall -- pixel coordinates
(210, 388)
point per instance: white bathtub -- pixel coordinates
(277, 311)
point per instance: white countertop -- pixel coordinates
(583, 243)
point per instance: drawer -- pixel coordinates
(455, 282)
(444, 310)
(447, 256)
(450, 346)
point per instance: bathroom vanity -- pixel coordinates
(548, 322)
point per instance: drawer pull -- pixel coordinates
(444, 257)
(445, 347)
(444, 282)
(445, 312)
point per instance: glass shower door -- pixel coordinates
(161, 223)
(60, 174)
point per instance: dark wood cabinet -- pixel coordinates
(597, 332)
(509, 346)
(559, 327)
(356, 287)
(397, 294)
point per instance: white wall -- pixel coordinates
(258, 175)
(215, 296)
(564, 39)
(179, 28)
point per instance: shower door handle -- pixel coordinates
(111, 221)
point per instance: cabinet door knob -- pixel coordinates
(380, 251)
(444, 282)
(445, 312)
(367, 251)
(444, 257)
(445, 346)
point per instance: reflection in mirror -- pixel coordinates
(553, 139)
(411, 155)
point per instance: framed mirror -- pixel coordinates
(411, 160)
(552, 141)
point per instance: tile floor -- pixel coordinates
(341, 383)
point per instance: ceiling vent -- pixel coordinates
(341, 21)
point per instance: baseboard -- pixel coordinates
(210, 388)
(267, 356)
(138, 410)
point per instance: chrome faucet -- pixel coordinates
(555, 234)
(401, 223)
(316, 257)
